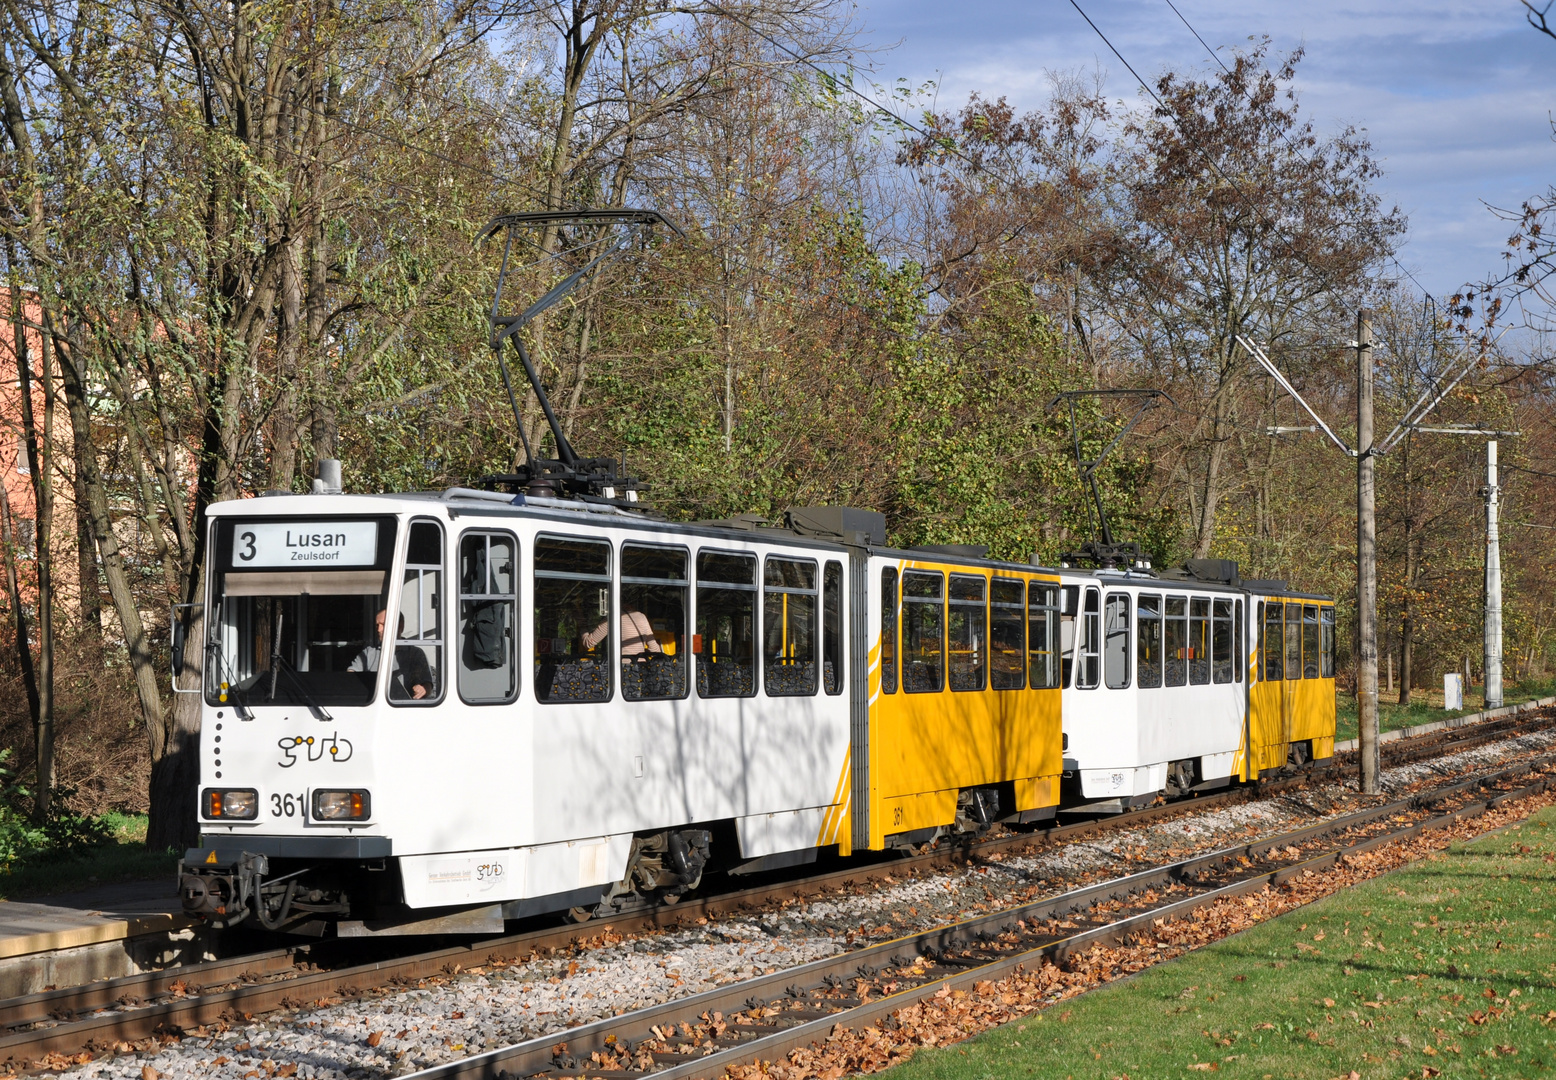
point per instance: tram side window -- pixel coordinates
(418, 655)
(1272, 645)
(832, 628)
(1089, 673)
(1310, 641)
(1237, 645)
(488, 618)
(1042, 635)
(1177, 633)
(725, 641)
(1221, 664)
(923, 632)
(1070, 604)
(1199, 638)
(1148, 655)
(1326, 641)
(789, 627)
(1007, 635)
(889, 630)
(966, 632)
(573, 622)
(654, 587)
(1293, 641)
(1115, 641)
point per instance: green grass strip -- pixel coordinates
(1446, 967)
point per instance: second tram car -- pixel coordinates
(1189, 680)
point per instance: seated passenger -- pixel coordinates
(412, 677)
(637, 636)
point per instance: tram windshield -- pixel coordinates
(295, 610)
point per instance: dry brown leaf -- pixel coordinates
(375, 1038)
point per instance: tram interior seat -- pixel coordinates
(791, 680)
(575, 680)
(918, 677)
(653, 677)
(725, 678)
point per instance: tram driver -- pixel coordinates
(412, 676)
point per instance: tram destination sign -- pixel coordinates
(305, 543)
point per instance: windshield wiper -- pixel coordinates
(292, 675)
(232, 684)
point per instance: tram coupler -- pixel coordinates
(219, 892)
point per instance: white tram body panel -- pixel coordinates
(479, 791)
(1153, 677)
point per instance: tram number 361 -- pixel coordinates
(288, 805)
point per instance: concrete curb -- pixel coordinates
(1452, 722)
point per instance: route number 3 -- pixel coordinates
(248, 551)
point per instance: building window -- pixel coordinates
(1007, 635)
(923, 632)
(725, 641)
(572, 627)
(966, 631)
(789, 627)
(488, 618)
(654, 588)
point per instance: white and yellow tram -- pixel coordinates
(435, 712)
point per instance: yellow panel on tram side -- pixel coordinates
(1266, 694)
(1293, 697)
(929, 740)
(1313, 697)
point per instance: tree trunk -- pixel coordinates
(39, 464)
(174, 751)
(18, 610)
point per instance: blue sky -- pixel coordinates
(1457, 98)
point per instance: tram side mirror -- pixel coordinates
(178, 633)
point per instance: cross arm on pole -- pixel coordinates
(1268, 365)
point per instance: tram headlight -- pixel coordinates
(341, 806)
(234, 804)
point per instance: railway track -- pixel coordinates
(101, 1015)
(762, 1019)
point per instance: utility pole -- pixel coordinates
(1365, 453)
(1366, 564)
(1493, 654)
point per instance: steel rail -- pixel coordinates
(815, 998)
(149, 1002)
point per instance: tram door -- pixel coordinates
(1291, 685)
(1268, 707)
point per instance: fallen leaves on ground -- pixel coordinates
(947, 1016)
